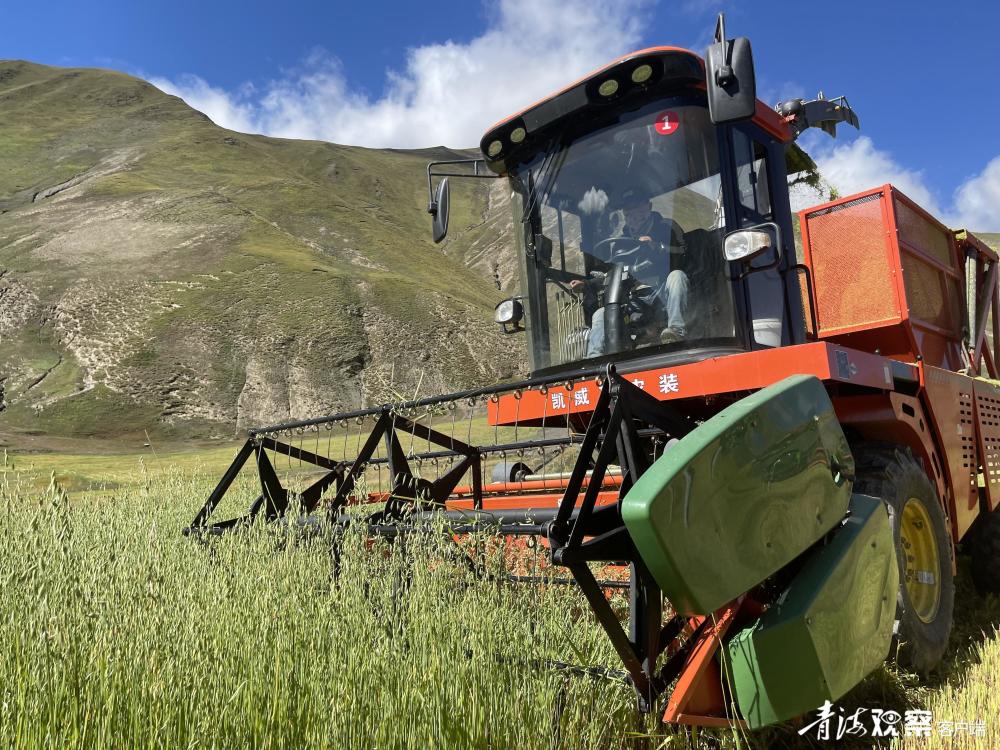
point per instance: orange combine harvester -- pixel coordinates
(782, 452)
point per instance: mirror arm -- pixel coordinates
(432, 206)
(749, 269)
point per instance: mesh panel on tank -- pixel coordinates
(852, 276)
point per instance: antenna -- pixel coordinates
(720, 29)
(724, 73)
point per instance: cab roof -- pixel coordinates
(670, 68)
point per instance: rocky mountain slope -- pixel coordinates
(160, 273)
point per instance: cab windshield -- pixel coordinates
(622, 238)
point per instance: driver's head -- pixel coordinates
(636, 207)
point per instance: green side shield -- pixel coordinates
(828, 630)
(742, 495)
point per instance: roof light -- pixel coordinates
(517, 135)
(642, 73)
(494, 148)
(608, 88)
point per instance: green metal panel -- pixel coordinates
(742, 495)
(828, 630)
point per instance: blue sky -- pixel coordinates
(404, 74)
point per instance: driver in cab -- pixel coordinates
(657, 314)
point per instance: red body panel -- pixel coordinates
(952, 412)
(731, 374)
(950, 421)
(525, 502)
(896, 418)
(988, 438)
(888, 277)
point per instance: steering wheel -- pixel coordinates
(616, 245)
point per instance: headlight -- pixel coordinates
(747, 244)
(508, 312)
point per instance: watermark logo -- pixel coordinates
(834, 723)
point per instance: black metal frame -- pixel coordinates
(623, 425)
(579, 536)
(388, 418)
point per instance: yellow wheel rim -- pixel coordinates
(921, 560)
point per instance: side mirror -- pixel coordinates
(510, 312)
(731, 81)
(439, 210)
(744, 245)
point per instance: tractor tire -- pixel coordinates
(926, 600)
(984, 547)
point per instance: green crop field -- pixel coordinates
(116, 630)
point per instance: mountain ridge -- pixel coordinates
(160, 273)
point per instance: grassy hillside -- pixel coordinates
(990, 238)
(160, 273)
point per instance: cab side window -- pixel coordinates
(767, 306)
(752, 181)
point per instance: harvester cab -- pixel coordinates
(770, 461)
(651, 213)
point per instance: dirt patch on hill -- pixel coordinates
(86, 232)
(18, 304)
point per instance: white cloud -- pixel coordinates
(977, 200)
(448, 93)
(859, 165)
(222, 107)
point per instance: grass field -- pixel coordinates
(115, 630)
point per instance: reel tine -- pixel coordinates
(545, 413)
(288, 459)
(302, 439)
